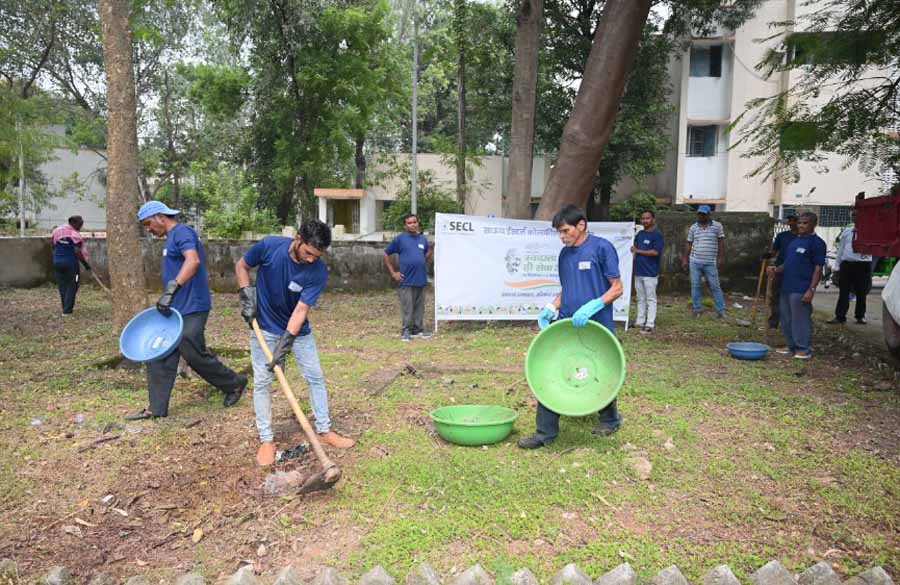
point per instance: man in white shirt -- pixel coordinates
(854, 275)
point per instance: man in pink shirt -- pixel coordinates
(68, 251)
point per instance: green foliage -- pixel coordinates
(323, 73)
(640, 140)
(227, 201)
(28, 123)
(632, 208)
(431, 197)
(843, 100)
(220, 91)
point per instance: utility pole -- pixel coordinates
(415, 86)
(21, 178)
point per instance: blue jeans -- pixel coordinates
(796, 322)
(308, 361)
(712, 278)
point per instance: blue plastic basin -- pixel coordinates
(747, 350)
(150, 335)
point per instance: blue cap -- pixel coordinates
(151, 208)
(702, 209)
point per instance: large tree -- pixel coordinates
(123, 245)
(591, 123)
(529, 18)
(318, 72)
(614, 46)
(846, 97)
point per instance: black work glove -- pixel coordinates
(248, 304)
(282, 348)
(85, 264)
(163, 305)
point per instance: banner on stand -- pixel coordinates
(505, 269)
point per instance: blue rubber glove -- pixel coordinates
(547, 314)
(586, 311)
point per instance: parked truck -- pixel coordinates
(878, 234)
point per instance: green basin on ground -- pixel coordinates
(473, 424)
(575, 371)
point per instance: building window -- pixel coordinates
(787, 210)
(702, 140)
(834, 216)
(706, 61)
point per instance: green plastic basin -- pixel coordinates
(575, 372)
(473, 424)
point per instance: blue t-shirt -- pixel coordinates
(782, 240)
(801, 257)
(647, 265)
(281, 283)
(194, 294)
(412, 250)
(584, 273)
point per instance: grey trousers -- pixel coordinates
(796, 322)
(547, 421)
(412, 304)
(161, 373)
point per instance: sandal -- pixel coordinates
(140, 415)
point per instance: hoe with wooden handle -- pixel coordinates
(331, 473)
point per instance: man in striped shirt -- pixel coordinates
(704, 255)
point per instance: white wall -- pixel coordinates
(88, 165)
(486, 186)
(705, 177)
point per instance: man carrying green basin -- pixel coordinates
(589, 276)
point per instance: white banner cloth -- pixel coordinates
(504, 269)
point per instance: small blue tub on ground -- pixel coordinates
(747, 350)
(150, 335)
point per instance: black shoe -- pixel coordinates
(835, 321)
(605, 429)
(140, 415)
(532, 442)
(231, 398)
(861, 321)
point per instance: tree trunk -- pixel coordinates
(461, 33)
(591, 124)
(360, 182)
(126, 271)
(517, 203)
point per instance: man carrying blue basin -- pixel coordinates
(590, 280)
(185, 289)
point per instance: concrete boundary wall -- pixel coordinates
(359, 265)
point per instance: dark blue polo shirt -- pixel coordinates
(282, 282)
(584, 273)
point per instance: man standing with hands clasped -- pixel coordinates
(289, 279)
(414, 252)
(589, 275)
(647, 249)
(801, 272)
(186, 289)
